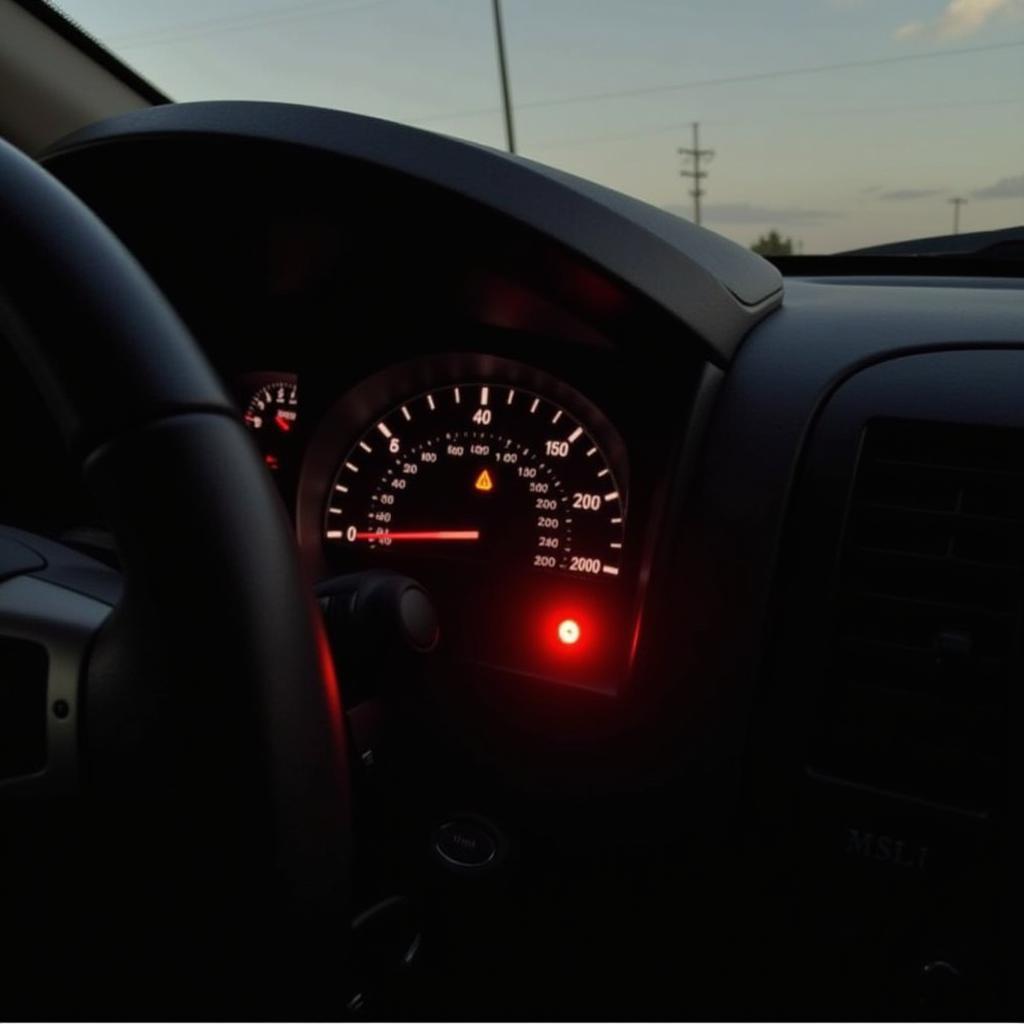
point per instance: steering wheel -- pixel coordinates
(199, 742)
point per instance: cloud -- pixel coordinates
(898, 195)
(752, 213)
(960, 19)
(1005, 188)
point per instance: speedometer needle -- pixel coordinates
(422, 535)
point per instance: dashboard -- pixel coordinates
(453, 402)
(713, 554)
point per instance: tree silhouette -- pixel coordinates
(773, 244)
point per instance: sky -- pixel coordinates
(839, 123)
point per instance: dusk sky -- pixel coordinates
(929, 105)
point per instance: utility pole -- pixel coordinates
(957, 202)
(506, 93)
(695, 154)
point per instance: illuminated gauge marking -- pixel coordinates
(274, 408)
(271, 414)
(484, 473)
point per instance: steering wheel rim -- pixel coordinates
(216, 652)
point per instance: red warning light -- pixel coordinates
(576, 638)
(569, 632)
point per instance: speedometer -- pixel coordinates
(484, 472)
(501, 490)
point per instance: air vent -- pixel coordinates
(929, 613)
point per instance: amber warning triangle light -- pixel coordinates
(484, 481)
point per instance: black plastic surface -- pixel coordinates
(714, 611)
(61, 565)
(1005, 243)
(716, 288)
(783, 375)
(16, 558)
(904, 823)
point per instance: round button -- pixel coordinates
(464, 843)
(418, 618)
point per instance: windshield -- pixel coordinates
(804, 126)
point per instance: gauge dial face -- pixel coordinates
(273, 408)
(479, 472)
(271, 414)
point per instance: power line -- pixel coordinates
(698, 83)
(236, 23)
(761, 76)
(695, 154)
(892, 108)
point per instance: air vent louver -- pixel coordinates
(929, 613)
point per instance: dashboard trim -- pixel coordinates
(717, 289)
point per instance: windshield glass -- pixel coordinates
(810, 126)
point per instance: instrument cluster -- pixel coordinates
(501, 489)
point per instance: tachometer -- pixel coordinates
(271, 413)
(484, 472)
